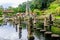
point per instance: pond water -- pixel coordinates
(8, 32)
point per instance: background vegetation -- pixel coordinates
(39, 7)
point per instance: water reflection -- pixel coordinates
(8, 32)
(42, 37)
(39, 36)
(16, 27)
(48, 37)
(20, 33)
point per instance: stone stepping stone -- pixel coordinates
(43, 30)
(48, 32)
(38, 29)
(55, 37)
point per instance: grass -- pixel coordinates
(56, 30)
(1, 18)
(57, 17)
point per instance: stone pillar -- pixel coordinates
(16, 27)
(20, 28)
(45, 23)
(50, 22)
(55, 37)
(48, 35)
(20, 31)
(30, 30)
(16, 23)
(34, 23)
(20, 22)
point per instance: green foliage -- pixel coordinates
(37, 4)
(39, 25)
(32, 6)
(56, 30)
(57, 17)
(1, 13)
(57, 11)
(53, 6)
(37, 12)
(15, 10)
(1, 20)
(1, 10)
(10, 14)
(22, 7)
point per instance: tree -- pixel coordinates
(1, 10)
(37, 4)
(41, 4)
(22, 7)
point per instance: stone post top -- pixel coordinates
(48, 32)
(55, 35)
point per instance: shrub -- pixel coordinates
(37, 12)
(55, 30)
